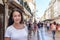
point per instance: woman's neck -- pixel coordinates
(18, 26)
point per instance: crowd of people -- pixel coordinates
(53, 27)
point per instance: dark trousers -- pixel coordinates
(53, 33)
(47, 27)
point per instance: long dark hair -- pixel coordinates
(54, 23)
(11, 21)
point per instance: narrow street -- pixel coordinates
(44, 35)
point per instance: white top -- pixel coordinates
(16, 34)
(54, 27)
(48, 24)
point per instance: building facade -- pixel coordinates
(52, 12)
(32, 6)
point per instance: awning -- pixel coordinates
(27, 13)
(48, 20)
(14, 2)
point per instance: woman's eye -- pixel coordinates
(19, 15)
(15, 16)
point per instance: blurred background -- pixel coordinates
(39, 10)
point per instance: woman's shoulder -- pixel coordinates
(9, 27)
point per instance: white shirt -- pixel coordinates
(54, 27)
(16, 34)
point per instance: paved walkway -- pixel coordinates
(44, 35)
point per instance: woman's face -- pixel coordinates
(16, 17)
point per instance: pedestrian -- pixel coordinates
(16, 29)
(35, 27)
(57, 25)
(58, 28)
(39, 25)
(53, 29)
(48, 26)
(29, 29)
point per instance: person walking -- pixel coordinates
(48, 26)
(35, 27)
(53, 29)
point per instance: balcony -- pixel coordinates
(27, 7)
(20, 1)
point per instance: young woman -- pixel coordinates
(16, 29)
(53, 29)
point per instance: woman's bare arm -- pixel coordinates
(7, 38)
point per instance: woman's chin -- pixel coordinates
(17, 22)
